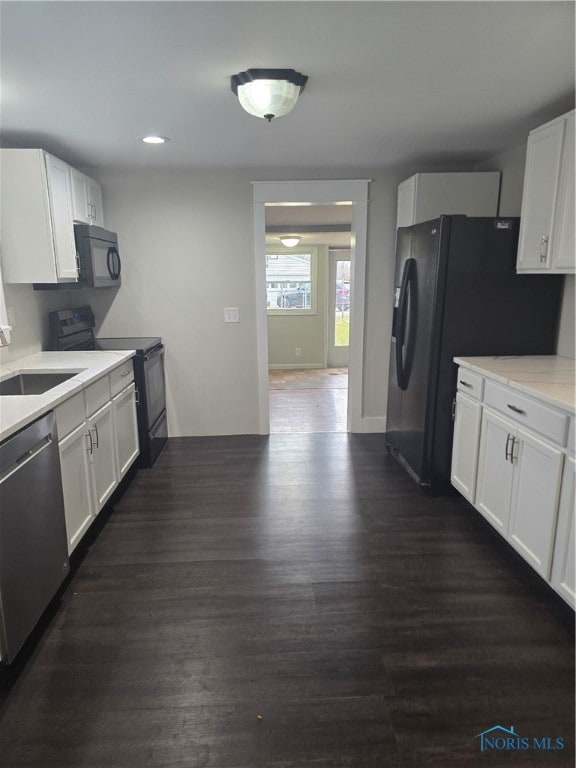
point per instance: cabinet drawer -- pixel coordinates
(530, 413)
(121, 377)
(69, 414)
(470, 383)
(96, 395)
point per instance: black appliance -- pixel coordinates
(72, 329)
(99, 264)
(456, 293)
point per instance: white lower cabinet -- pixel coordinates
(102, 456)
(126, 429)
(465, 448)
(495, 471)
(510, 461)
(533, 513)
(563, 569)
(76, 484)
(99, 445)
(519, 479)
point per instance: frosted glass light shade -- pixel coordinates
(290, 241)
(268, 97)
(268, 93)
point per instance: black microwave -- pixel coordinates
(98, 257)
(99, 261)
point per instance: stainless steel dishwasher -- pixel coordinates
(33, 549)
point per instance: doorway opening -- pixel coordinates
(308, 305)
(339, 300)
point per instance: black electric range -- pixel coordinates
(73, 329)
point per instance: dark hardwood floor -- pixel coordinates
(291, 602)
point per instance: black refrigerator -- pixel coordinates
(456, 293)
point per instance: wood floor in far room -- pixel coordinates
(308, 400)
(291, 601)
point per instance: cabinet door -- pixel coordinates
(80, 207)
(76, 484)
(465, 446)
(126, 429)
(60, 197)
(95, 202)
(495, 470)
(563, 255)
(563, 564)
(406, 205)
(103, 456)
(539, 196)
(535, 496)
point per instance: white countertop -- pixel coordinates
(548, 377)
(18, 410)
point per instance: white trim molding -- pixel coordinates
(355, 192)
(373, 424)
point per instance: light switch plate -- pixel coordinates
(231, 315)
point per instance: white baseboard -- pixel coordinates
(294, 366)
(373, 424)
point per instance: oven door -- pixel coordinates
(153, 364)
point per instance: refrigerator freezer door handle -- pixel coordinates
(401, 328)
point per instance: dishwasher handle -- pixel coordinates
(25, 457)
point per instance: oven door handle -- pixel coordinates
(153, 352)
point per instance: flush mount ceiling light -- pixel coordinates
(290, 241)
(155, 139)
(268, 93)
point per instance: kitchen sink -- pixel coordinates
(32, 383)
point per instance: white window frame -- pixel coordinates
(295, 311)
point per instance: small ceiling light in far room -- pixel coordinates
(290, 241)
(268, 93)
(155, 139)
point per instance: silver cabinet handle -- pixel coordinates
(513, 456)
(507, 451)
(136, 395)
(516, 409)
(453, 409)
(543, 248)
(91, 448)
(97, 441)
(466, 384)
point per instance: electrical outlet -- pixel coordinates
(298, 351)
(231, 315)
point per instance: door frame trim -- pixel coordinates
(324, 192)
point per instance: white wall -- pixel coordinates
(187, 244)
(29, 310)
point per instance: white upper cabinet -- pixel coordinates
(36, 214)
(546, 241)
(426, 196)
(87, 201)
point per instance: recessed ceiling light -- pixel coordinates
(155, 139)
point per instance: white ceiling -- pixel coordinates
(389, 82)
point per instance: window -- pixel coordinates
(291, 286)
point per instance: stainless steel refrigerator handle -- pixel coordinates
(401, 327)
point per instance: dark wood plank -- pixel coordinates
(287, 602)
